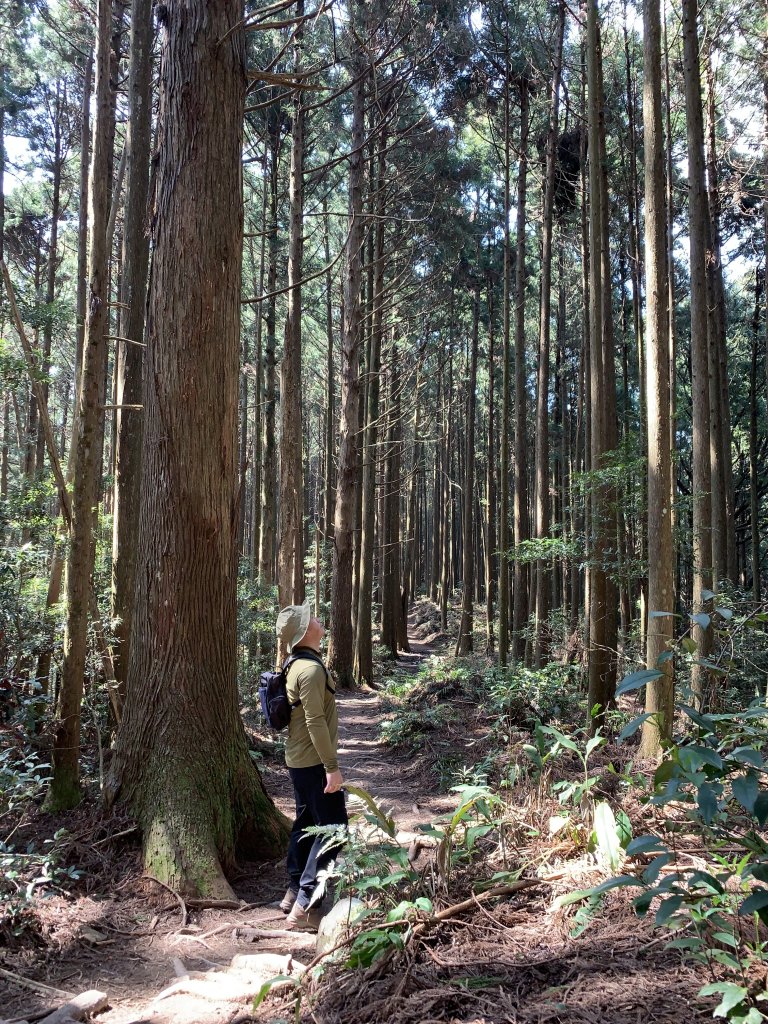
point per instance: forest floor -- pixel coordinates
(509, 959)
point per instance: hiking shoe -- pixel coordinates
(301, 920)
(288, 900)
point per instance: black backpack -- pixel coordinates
(273, 692)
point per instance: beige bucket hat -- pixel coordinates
(292, 623)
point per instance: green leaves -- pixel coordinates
(645, 844)
(376, 816)
(731, 994)
(607, 836)
(636, 680)
(754, 903)
(745, 790)
(707, 802)
(279, 979)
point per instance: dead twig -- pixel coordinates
(116, 835)
(173, 892)
(205, 935)
(268, 933)
(35, 986)
(203, 904)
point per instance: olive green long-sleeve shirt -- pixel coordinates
(313, 731)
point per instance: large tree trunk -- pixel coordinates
(341, 651)
(659, 700)
(182, 761)
(130, 352)
(65, 785)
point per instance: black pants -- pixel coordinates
(313, 807)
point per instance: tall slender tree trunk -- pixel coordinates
(329, 496)
(52, 262)
(341, 654)
(269, 488)
(4, 466)
(448, 510)
(636, 277)
(702, 471)
(411, 521)
(393, 629)
(290, 551)
(522, 530)
(671, 290)
(129, 422)
(437, 495)
(3, 78)
(65, 784)
(491, 559)
(542, 505)
(464, 641)
(257, 509)
(659, 700)
(364, 643)
(754, 469)
(723, 501)
(57, 559)
(504, 544)
(602, 597)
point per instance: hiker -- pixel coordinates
(310, 754)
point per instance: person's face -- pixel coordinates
(315, 633)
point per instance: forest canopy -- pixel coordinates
(371, 305)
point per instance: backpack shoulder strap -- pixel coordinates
(308, 656)
(286, 666)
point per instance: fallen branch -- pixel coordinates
(206, 935)
(459, 908)
(202, 904)
(251, 934)
(36, 986)
(117, 835)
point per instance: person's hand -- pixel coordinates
(333, 782)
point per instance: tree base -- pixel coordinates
(64, 795)
(192, 834)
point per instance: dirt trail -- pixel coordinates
(90, 945)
